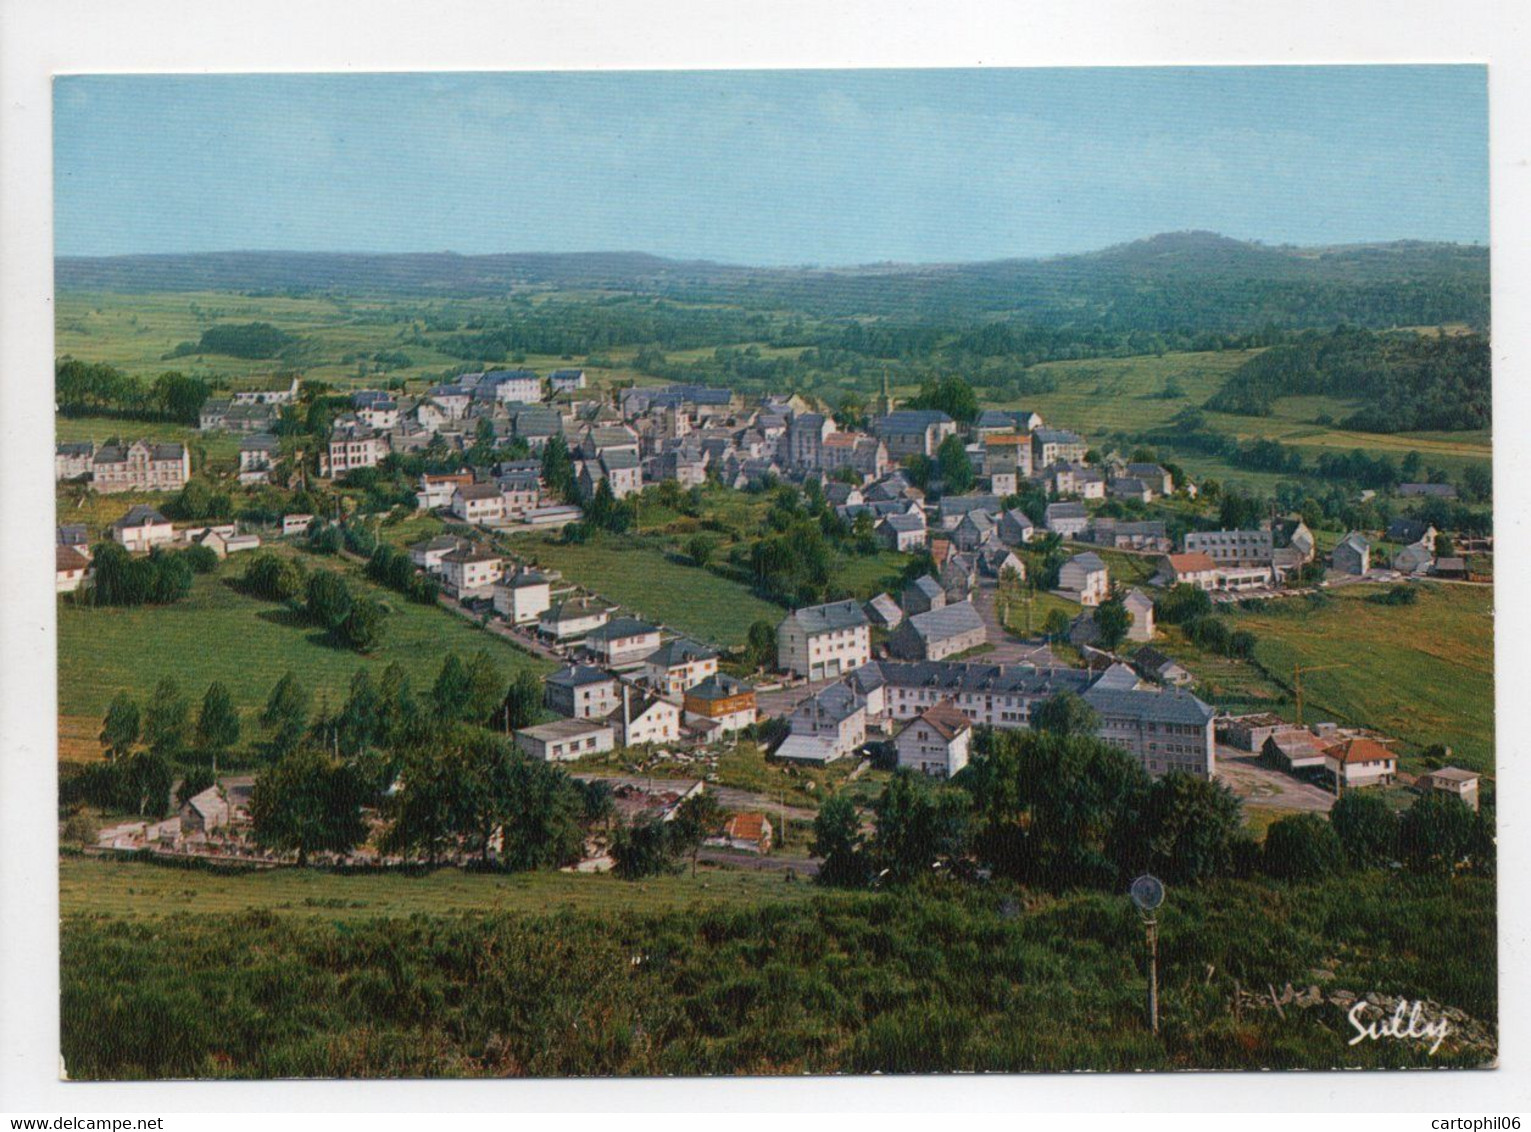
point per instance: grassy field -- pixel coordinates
(1423, 673)
(646, 580)
(135, 332)
(220, 634)
(101, 886)
(1125, 395)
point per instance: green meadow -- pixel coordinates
(218, 633)
(116, 887)
(1423, 673)
(658, 584)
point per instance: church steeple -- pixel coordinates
(887, 398)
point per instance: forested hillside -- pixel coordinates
(1170, 283)
(1408, 382)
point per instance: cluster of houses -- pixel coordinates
(629, 687)
(930, 707)
(139, 531)
(1340, 758)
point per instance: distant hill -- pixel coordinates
(1170, 281)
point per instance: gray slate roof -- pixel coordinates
(829, 617)
(1149, 706)
(947, 622)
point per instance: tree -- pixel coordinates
(435, 803)
(540, 811)
(486, 688)
(361, 721)
(450, 693)
(285, 716)
(362, 628)
(699, 549)
(329, 599)
(272, 577)
(642, 849)
(837, 839)
(696, 819)
(217, 722)
(558, 468)
(1302, 847)
(1188, 828)
(918, 825)
(1477, 482)
(951, 395)
(955, 467)
(398, 707)
(1056, 624)
(308, 803)
(119, 730)
(146, 779)
(760, 645)
(1065, 714)
(1056, 811)
(1367, 828)
(167, 720)
(1111, 623)
(1435, 833)
(523, 701)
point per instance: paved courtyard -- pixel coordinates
(1259, 785)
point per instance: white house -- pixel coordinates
(936, 741)
(1451, 780)
(566, 739)
(479, 503)
(678, 665)
(1084, 579)
(574, 618)
(70, 569)
(522, 597)
(622, 641)
(826, 727)
(472, 571)
(645, 719)
(1141, 606)
(1360, 762)
(142, 528)
(824, 640)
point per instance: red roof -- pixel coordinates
(1196, 562)
(947, 720)
(67, 558)
(746, 827)
(1359, 751)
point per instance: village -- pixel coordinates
(909, 679)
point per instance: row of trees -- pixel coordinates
(98, 389)
(1059, 809)
(161, 577)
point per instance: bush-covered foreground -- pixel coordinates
(948, 979)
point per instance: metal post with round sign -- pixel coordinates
(1147, 893)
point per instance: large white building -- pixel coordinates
(821, 641)
(140, 466)
(1164, 729)
(354, 445)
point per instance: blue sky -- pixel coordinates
(763, 167)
